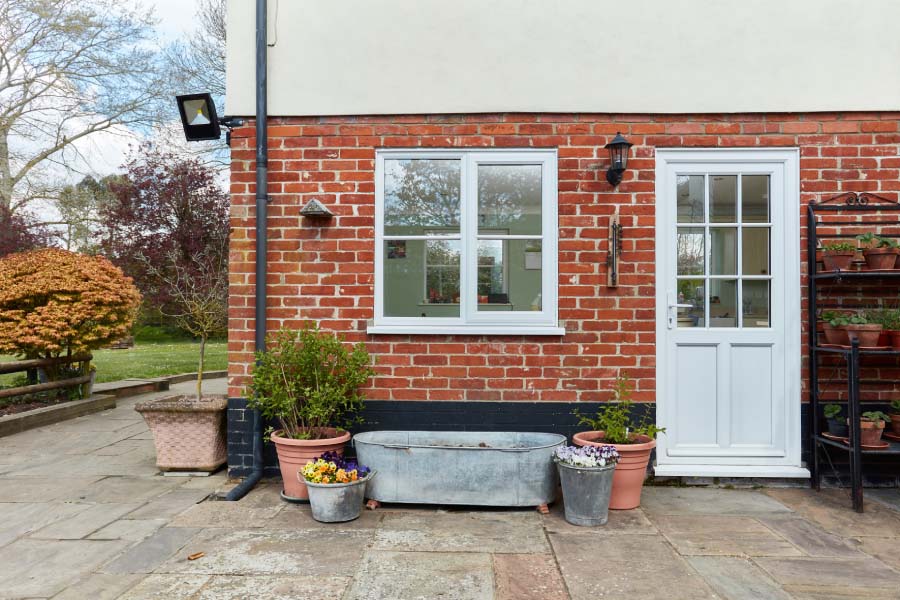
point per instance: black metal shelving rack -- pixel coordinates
(855, 206)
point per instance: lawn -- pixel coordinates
(149, 359)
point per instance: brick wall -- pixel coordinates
(325, 273)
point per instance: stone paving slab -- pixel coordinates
(279, 587)
(715, 535)
(887, 550)
(99, 586)
(170, 504)
(737, 578)
(19, 518)
(225, 514)
(167, 587)
(620, 521)
(708, 501)
(810, 538)
(294, 516)
(94, 517)
(152, 552)
(859, 573)
(133, 530)
(43, 490)
(423, 576)
(816, 592)
(527, 577)
(829, 509)
(516, 532)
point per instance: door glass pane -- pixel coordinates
(755, 251)
(420, 194)
(509, 275)
(755, 198)
(509, 197)
(723, 303)
(723, 251)
(691, 291)
(690, 198)
(723, 198)
(691, 255)
(421, 278)
(756, 304)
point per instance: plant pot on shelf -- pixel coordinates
(189, 434)
(838, 260)
(881, 258)
(294, 454)
(838, 427)
(894, 338)
(631, 470)
(895, 423)
(870, 432)
(336, 502)
(586, 493)
(836, 335)
(866, 334)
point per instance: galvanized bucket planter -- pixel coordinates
(586, 493)
(336, 502)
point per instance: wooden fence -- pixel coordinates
(30, 365)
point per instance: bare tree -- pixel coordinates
(68, 69)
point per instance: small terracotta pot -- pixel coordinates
(881, 258)
(838, 260)
(895, 423)
(895, 338)
(867, 334)
(294, 454)
(870, 432)
(836, 335)
(628, 479)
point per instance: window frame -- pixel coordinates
(470, 320)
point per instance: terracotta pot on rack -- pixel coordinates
(895, 423)
(835, 335)
(866, 334)
(870, 432)
(838, 260)
(881, 258)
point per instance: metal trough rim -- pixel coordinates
(559, 438)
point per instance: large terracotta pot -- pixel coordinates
(294, 454)
(838, 260)
(870, 432)
(880, 258)
(189, 433)
(628, 480)
(867, 334)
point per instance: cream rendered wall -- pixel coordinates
(638, 56)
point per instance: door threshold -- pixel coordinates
(731, 471)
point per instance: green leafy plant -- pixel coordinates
(888, 318)
(615, 419)
(308, 381)
(832, 410)
(875, 415)
(895, 407)
(858, 319)
(838, 247)
(873, 240)
(836, 319)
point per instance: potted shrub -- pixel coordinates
(835, 328)
(871, 426)
(586, 476)
(336, 486)
(838, 256)
(836, 426)
(895, 417)
(879, 252)
(859, 327)
(889, 319)
(308, 383)
(633, 442)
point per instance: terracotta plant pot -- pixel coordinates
(189, 434)
(881, 258)
(294, 454)
(838, 260)
(867, 334)
(836, 335)
(895, 423)
(895, 338)
(628, 480)
(870, 432)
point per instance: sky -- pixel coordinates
(176, 17)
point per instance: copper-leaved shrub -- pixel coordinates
(55, 302)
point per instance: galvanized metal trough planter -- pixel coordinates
(460, 467)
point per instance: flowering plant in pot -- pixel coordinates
(860, 327)
(336, 487)
(880, 252)
(895, 416)
(871, 426)
(586, 476)
(838, 256)
(634, 441)
(836, 425)
(308, 382)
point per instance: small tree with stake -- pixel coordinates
(198, 288)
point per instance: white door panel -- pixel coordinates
(728, 309)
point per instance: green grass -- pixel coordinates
(148, 360)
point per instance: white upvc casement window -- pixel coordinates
(466, 242)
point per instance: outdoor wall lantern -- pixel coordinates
(618, 159)
(199, 119)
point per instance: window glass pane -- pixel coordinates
(509, 197)
(690, 198)
(509, 275)
(723, 251)
(722, 303)
(691, 291)
(723, 198)
(421, 194)
(755, 198)
(691, 254)
(756, 304)
(755, 253)
(421, 278)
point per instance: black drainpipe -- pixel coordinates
(262, 199)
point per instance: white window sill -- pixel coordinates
(465, 330)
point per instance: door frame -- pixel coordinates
(791, 465)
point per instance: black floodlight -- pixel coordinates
(199, 119)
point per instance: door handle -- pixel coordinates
(673, 310)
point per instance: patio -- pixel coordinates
(86, 515)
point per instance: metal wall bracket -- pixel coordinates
(614, 251)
